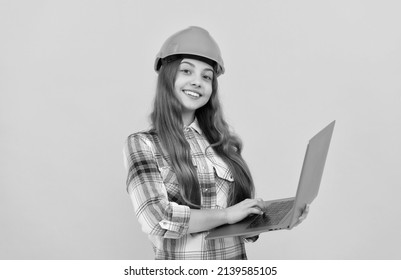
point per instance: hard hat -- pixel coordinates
(194, 41)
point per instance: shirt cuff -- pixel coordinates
(178, 225)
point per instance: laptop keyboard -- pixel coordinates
(273, 215)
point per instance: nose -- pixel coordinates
(196, 81)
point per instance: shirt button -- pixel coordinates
(205, 190)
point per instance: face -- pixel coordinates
(193, 86)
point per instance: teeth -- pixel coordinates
(191, 93)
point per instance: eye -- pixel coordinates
(185, 71)
(208, 77)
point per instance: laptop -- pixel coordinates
(284, 213)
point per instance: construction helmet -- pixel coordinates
(193, 41)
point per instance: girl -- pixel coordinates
(186, 174)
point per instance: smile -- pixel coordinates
(192, 93)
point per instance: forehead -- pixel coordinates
(197, 63)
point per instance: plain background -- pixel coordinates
(76, 78)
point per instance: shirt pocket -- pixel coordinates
(223, 173)
(170, 182)
(224, 182)
(221, 169)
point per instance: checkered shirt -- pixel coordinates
(155, 194)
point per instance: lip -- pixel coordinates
(195, 91)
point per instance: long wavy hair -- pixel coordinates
(167, 122)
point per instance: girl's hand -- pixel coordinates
(243, 209)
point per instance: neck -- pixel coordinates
(188, 118)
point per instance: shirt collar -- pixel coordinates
(195, 126)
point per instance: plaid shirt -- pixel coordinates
(155, 194)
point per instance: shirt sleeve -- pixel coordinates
(156, 214)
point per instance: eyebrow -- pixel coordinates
(207, 69)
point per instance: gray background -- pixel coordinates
(76, 78)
